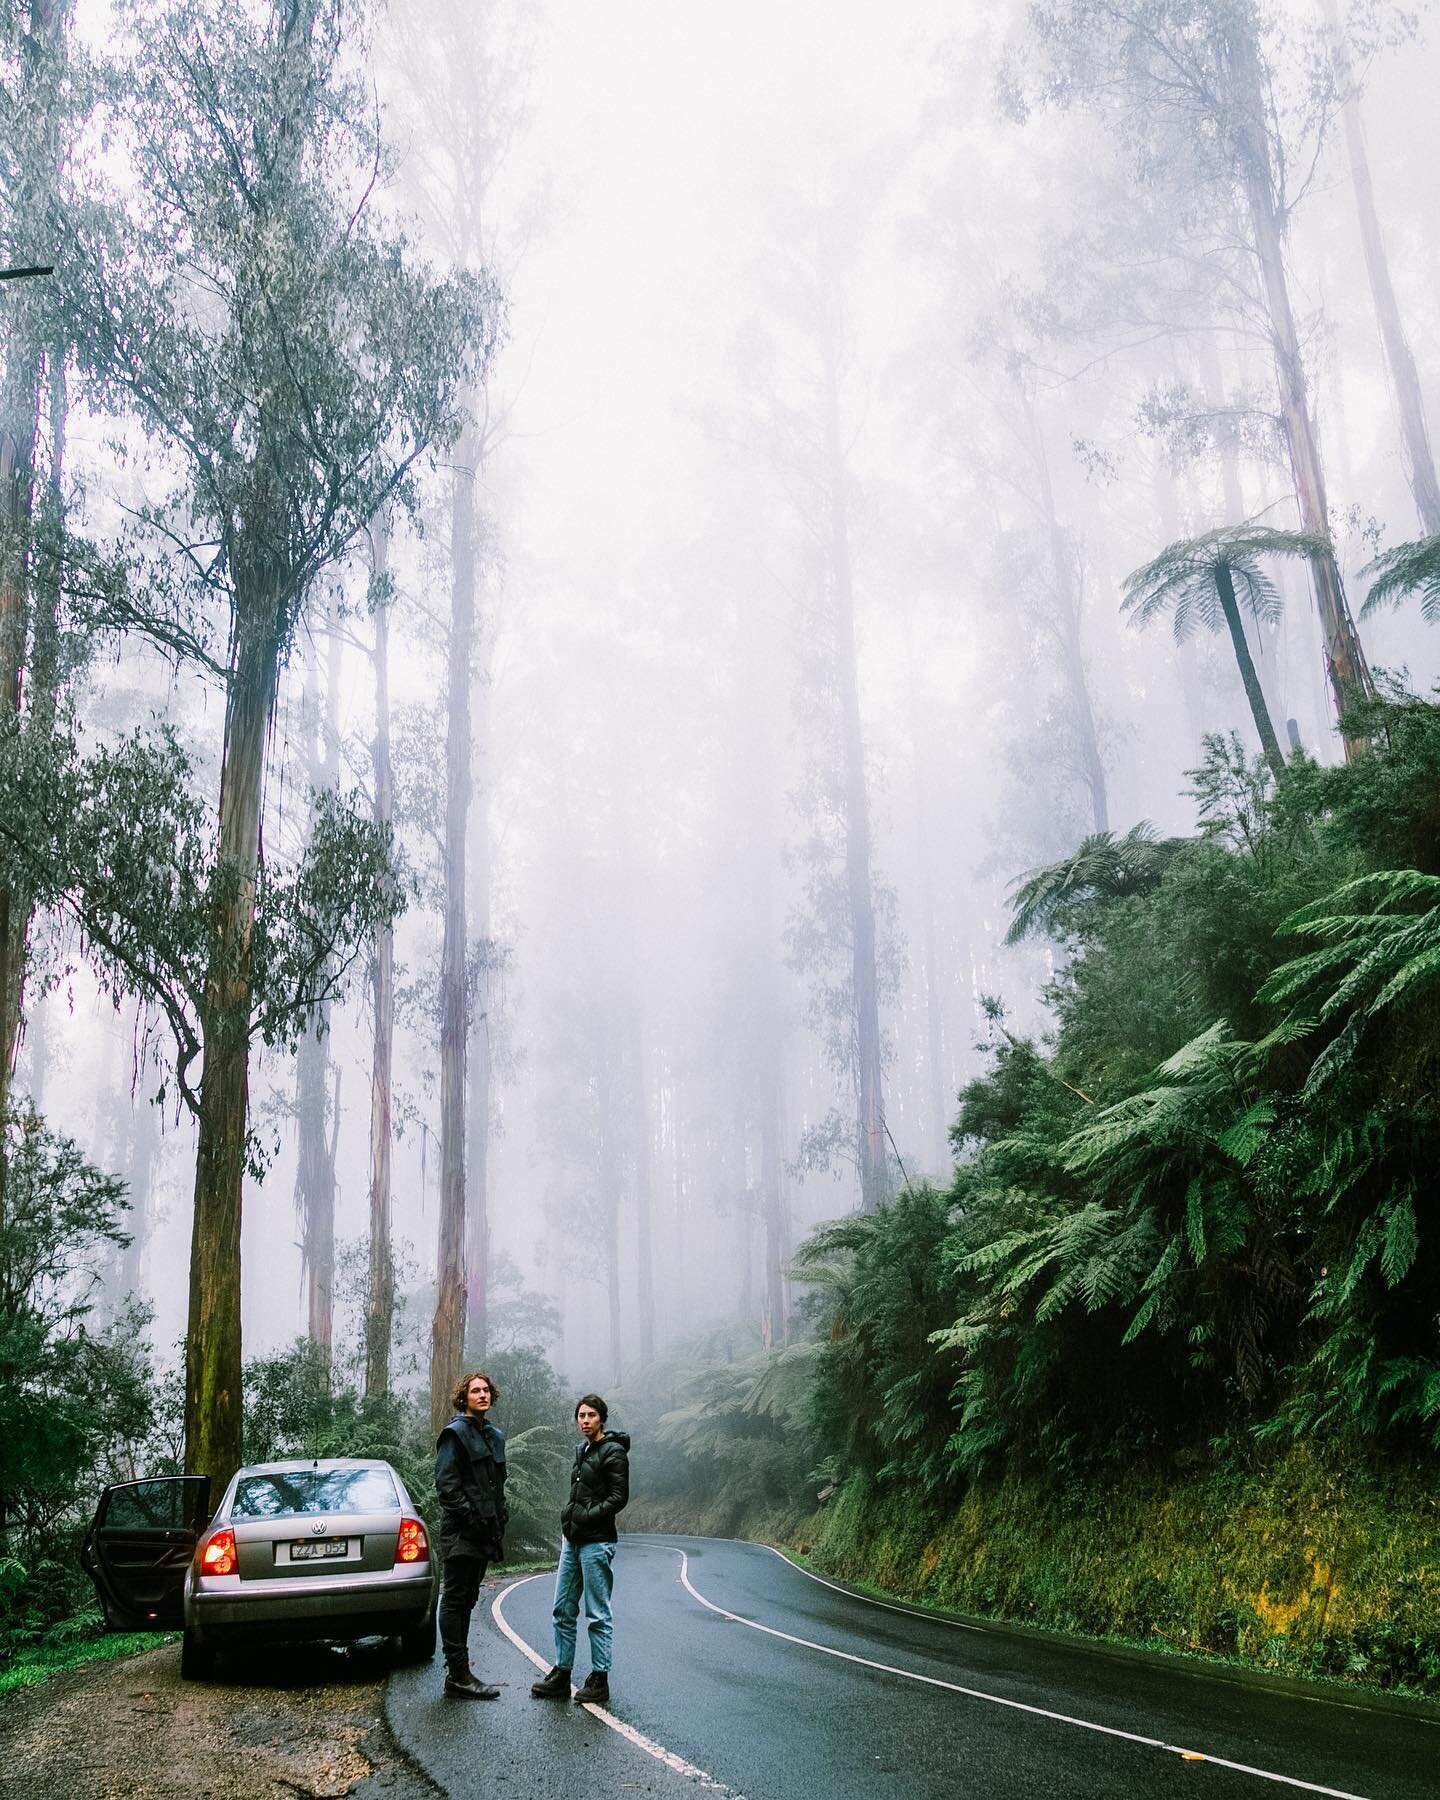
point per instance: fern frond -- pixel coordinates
(1406, 569)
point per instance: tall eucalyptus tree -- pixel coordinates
(1409, 397)
(466, 72)
(292, 361)
(1191, 86)
(38, 107)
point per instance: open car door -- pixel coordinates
(139, 1546)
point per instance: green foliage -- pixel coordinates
(1195, 1217)
(1053, 901)
(1407, 569)
(1182, 579)
(123, 854)
(75, 1397)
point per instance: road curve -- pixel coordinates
(738, 1673)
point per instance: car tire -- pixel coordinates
(417, 1645)
(197, 1658)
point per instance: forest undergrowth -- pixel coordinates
(1163, 1361)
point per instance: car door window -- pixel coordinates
(163, 1505)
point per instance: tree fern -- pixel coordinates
(1407, 569)
(1104, 868)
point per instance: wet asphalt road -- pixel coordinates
(768, 1718)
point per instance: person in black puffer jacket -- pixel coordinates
(470, 1483)
(599, 1488)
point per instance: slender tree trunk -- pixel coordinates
(214, 1423)
(745, 1212)
(1068, 620)
(380, 1298)
(19, 412)
(772, 1186)
(315, 1166)
(1346, 667)
(481, 1067)
(609, 1171)
(42, 53)
(1409, 401)
(640, 1133)
(140, 1180)
(1254, 693)
(859, 873)
(447, 1337)
(1230, 486)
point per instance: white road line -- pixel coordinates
(909, 1612)
(628, 1732)
(1132, 1737)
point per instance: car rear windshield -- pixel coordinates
(314, 1491)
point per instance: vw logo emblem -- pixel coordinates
(318, 1528)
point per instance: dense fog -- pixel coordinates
(850, 361)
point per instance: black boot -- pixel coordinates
(554, 1686)
(460, 1684)
(596, 1690)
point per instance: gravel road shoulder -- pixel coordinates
(307, 1720)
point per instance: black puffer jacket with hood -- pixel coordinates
(470, 1483)
(599, 1488)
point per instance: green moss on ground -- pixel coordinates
(1294, 1568)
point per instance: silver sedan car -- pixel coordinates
(330, 1548)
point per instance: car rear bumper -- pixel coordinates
(315, 1608)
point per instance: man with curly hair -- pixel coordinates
(470, 1483)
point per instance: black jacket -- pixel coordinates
(599, 1488)
(470, 1482)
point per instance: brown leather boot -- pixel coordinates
(461, 1684)
(554, 1686)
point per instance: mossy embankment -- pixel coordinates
(1295, 1567)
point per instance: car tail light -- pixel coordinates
(219, 1555)
(412, 1545)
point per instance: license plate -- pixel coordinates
(314, 1549)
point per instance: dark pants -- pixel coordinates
(464, 1571)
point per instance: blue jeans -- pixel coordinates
(584, 1569)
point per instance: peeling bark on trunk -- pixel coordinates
(859, 872)
(1348, 672)
(447, 1336)
(380, 1299)
(214, 1426)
